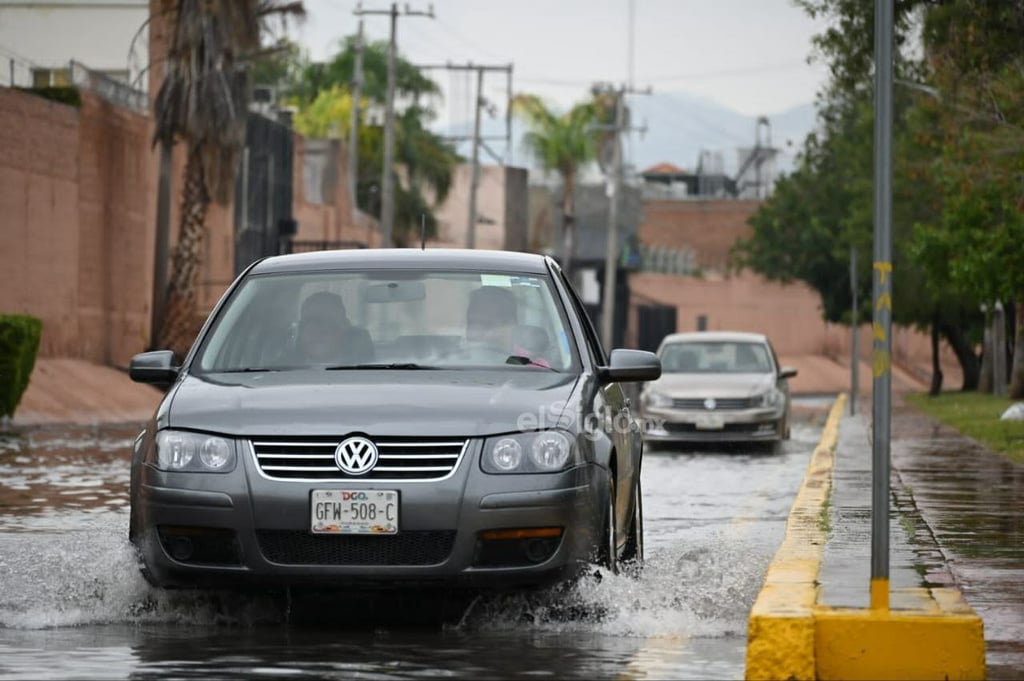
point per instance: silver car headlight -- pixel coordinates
(771, 398)
(178, 450)
(657, 400)
(545, 451)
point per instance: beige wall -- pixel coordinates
(790, 315)
(453, 214)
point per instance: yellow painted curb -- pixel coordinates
(934, 642)
(929, 634)
(781, 631)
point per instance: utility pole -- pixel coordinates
(477, 138)
(612, 249)
(881, 359)
(387, 205)
(353, 128)
(471, 227)
(855, 344)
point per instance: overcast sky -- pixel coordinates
(749, 55)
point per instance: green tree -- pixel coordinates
(202, 103)
(323, 96)
(562, 143)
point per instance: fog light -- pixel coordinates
(180, 548)
(539, 550)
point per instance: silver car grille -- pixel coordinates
(400, 459)
(721, 403)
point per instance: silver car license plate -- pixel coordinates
(710, 422)
(351, 511)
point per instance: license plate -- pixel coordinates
(348, 511)
(710, 422)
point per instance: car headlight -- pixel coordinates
(771, 398)
(178, 450)
(656, 399)
(546, 451)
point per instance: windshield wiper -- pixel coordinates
(244, 370)
(392, 365)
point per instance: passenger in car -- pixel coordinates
(492, 318)
(325, 334)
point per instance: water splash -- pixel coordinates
(698, 592)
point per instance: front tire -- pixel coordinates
(634, 551)
(608, 555)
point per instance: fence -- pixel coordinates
(263, 191)
(668, 260)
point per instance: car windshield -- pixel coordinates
(715, 358)
(389, 319)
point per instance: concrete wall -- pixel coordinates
(50, 33)
(74, 199)
(453, 214)
(324, 210)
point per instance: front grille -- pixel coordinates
(290, 547)
(721, 403)
(312, 458)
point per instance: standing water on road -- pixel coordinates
(69, 584)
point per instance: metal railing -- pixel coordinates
(108, 89)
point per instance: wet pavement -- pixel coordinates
(72, 604)
(956, 519)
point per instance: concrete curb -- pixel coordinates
(933, 634)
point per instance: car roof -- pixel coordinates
(405, 258)
(714, 336)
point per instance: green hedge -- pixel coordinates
(19, 343)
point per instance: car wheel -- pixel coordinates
(634, 552)
(608, 557)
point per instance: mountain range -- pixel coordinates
(678, 126)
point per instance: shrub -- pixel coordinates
(19, 343)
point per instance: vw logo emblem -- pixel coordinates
(710, 404)
(356, 456)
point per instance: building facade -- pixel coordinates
(40, 38)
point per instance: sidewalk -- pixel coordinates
(73, 391)
(956, 554)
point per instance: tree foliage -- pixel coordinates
(322, 93)
(957, 175)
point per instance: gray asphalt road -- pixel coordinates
(72, 604)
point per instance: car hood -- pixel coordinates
(381, 403)
(712, 385)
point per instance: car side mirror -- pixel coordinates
(629, 366)
(787, 372)
(154, 368)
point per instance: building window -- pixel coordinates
(51, 77)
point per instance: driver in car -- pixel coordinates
(491, 320)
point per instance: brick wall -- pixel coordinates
(709, 227)
(74, 193)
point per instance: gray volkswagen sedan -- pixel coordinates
(392, 417)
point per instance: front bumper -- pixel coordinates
(764, 424)
(244, 529)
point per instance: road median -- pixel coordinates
(923, 634)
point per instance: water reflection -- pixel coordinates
(45, 473)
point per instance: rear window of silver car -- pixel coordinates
(731, 357)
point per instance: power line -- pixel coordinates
(668, 78)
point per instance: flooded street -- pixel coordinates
(73, 605)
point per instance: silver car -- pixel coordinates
(390, 417)
(717, 386)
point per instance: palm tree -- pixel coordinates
(203, 103)
(563, 144)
